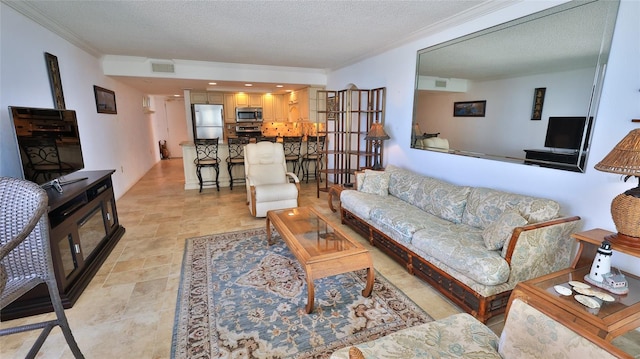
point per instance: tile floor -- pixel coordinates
(128, 309)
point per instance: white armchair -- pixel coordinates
(267, 180)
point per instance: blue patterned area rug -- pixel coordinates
(239, 298)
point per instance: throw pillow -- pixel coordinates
(497, 233)
(375, 182)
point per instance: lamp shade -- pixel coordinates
(625, 157)
(376, 132)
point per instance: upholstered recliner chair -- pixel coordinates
(267, 180)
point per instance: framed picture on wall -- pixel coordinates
(469, 108)
(538, 102)
(54, 80)
(105, 100)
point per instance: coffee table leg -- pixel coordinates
(369, 287)
(268, 231)
(310, 295)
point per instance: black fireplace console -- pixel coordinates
(84, 228)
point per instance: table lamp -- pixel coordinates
(624, 159)
(377, 135)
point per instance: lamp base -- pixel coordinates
(625, 212)
(624, 240)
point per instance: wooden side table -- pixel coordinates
(589, 242)
(612, 319)
(335, 191)
(607, 322)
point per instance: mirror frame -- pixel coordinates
(609, 19)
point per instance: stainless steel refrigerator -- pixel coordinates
(207, 121)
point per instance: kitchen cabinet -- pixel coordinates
(198, 97)
(229, 108)
(268, 113)
(215, 98)
(280, 108)
(303, 104)
(242, 100)
(255, 100)
(84, 228)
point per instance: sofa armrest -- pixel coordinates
(540, 248)
(358, 175)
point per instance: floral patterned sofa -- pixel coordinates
(473, 244)
(527, 333)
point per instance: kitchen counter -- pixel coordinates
(190, 178)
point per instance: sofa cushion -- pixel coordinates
(497, 233)
(375, 182)
(360, 203)
(462, 248)
(485, 205)
(400, 220)
(441, 198)
(457, 336)
(403, 183)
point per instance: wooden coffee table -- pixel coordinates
(322, 249)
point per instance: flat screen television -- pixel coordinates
(566, 132)
(48, 141)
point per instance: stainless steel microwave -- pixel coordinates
(248, 114)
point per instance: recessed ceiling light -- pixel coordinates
(280, 86)
(248, 85)
(213, 83)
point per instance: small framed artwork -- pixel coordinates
(54, 80)
(105, 100)
(469, 108)
(538, 102)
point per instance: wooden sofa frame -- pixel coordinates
(472, 302)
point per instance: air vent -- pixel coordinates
(441, 83)
(161, 67)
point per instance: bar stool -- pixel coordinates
(236, 157)
(207, 156)
(315, 146)
(292, 146)
(273, 139)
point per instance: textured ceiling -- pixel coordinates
(313, 34)
(308, 34)
(569, 36)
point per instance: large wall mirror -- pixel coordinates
(524, 92)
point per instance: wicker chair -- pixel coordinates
(25, 256)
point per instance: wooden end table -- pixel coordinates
(335, 191)
(612, 319)
(321, 249)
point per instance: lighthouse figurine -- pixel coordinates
(601, 274)
(602, 263)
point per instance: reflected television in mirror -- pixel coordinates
(563, 49)
(566, 133)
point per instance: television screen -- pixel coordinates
(49, 142)
(565, 132)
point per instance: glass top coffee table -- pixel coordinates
(321, 249)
